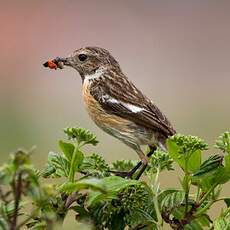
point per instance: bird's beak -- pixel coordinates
(59, 62)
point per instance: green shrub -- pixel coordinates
(105, 201)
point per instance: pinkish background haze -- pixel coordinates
(177, 52)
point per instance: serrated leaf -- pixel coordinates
(94, 165)
(67, 149)
(166, 192)
(81, 135)
(212, 171)
(59, 163)
(172, 201)
(208, 165)
(217, 176)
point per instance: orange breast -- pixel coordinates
(98, 114)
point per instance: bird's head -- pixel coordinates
(87, 60)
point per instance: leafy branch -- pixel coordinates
(99, 199)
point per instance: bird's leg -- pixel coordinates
(138, 165)
(144, 163)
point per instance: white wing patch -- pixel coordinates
(99, 72)
(133, 108)
(130, 107)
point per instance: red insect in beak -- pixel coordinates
(50, 64)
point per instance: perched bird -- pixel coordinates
(115, 104)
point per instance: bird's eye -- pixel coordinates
(82, 57)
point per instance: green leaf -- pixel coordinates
(6, 173)
(3, 224)
(172, 200)
(212, 171)
(7, 210)
(82, 136)
(194, 161)
(166, 192)
(221, 224)
(223, 221)
(191, 156)
(58, 163)
(94, 165)
(212, 163)
(206, 181)
(77, 160)
(161, 160)
(141, 219)
(37, 225)
(188, 144)
(48, 171)
(227, 164)
(91, 183)
(67, 149)
(199, 223)
(223, 142)
(113, 184)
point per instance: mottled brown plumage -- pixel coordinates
(115, 104)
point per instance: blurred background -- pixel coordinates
(177, 52)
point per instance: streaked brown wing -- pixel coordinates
(130, 103)
(145, 118)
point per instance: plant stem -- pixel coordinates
(72, 168)
(186, 186)
(206, 207)
(155, 198)
(207, 193)
(17, 187)
(198, 194)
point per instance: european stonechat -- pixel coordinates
(115, 104)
